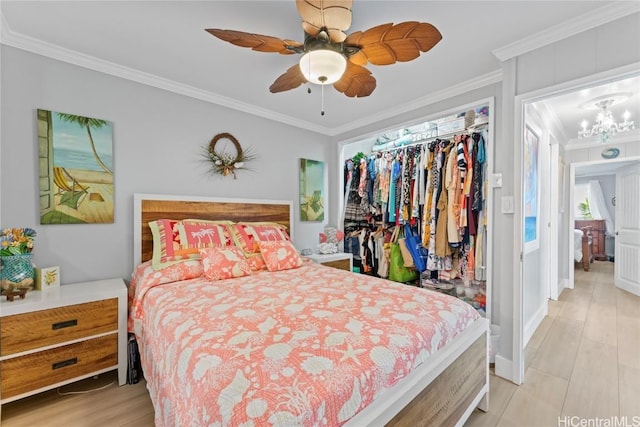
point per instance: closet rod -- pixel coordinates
(472, 128)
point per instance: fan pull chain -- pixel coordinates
(322, 80)
(321, 96)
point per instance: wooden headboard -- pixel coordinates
(150, 207)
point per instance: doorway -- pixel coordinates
(559, 147)
(607, 173)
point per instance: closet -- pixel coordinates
(431, 177)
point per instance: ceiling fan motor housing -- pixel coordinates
(323, 61)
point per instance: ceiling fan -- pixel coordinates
(329, 56)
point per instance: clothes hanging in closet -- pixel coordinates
(437, 186)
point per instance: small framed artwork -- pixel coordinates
(531, 194)
(311, 190)
(47, 278)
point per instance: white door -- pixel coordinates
(627, 243)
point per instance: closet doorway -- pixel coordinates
(547, 267)
(467, 128)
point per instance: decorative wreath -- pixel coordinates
(225, 163)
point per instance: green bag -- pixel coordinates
(397, 271)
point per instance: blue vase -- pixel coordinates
(16, 272)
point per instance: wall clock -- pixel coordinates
(610, 153)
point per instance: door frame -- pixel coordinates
(520, 103)
(554, 208)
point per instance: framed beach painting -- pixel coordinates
(75, 158)
(531, 181)
(311, 190)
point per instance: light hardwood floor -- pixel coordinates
(583, 361)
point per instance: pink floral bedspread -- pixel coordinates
(309, 346)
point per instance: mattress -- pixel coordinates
(307, 346)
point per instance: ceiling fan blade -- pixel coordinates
(257, 42)
(334, 15)
(356, 81)
(291, 79)
(358, 58)
(387, 43)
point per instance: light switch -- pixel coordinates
(496, 180)
(507, 204)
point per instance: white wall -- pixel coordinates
(594, 154)
(563, 222)
(158, 138)
(555, 199)
(535, 275)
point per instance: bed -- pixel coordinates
(582, 247)
(312, 345)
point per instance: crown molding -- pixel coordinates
(40, 47)
(592, 141)
(441, 95)
(571, 27)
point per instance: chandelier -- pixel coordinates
(605, 126)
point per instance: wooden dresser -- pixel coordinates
(597, 233)
(58, 336)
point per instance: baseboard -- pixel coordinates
(564, 283)
(504, 368)
(533, 323)
(629, 287)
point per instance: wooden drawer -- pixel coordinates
(29, 331)
(33, 371)
(342, 264)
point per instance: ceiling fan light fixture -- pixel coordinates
(323, 66)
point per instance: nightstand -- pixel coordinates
(341, 260)
(58, 336)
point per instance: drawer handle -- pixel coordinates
(64, 363)
(65, 324)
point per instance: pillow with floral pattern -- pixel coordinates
(280, 255)
(227, 262)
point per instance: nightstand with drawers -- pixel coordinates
(341, 260)
(58, 336)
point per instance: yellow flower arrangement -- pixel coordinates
(16, 241)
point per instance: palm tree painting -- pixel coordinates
(76, 168)
(311, 190)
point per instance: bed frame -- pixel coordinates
(587, 246)
(442, 392)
